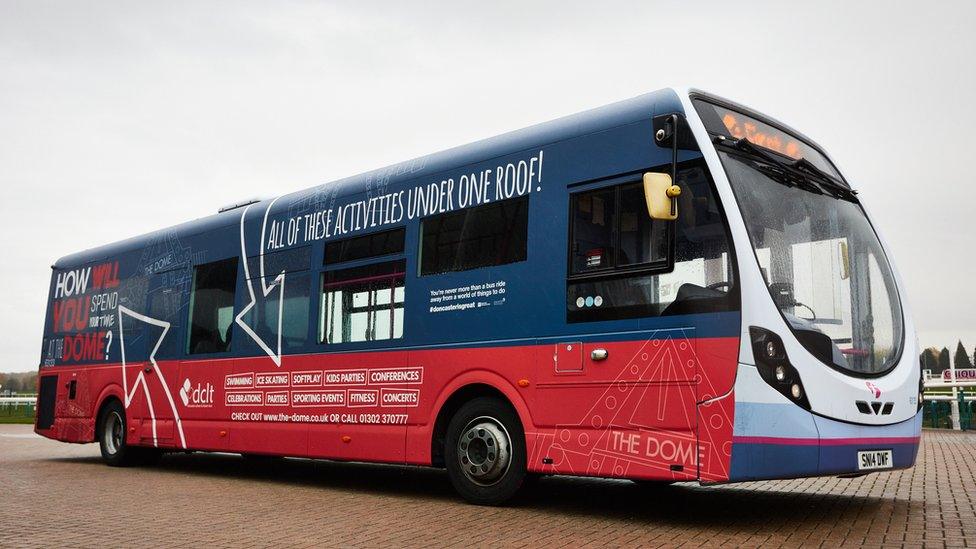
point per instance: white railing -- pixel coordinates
(18, 400)
(939, 384)
(954, 384)
(948, 398)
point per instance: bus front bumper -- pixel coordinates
(793, 443)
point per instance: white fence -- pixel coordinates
(17, 408)
(16, 401)
(953, 384)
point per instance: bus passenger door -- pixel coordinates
(631, 408)
(651, 398)
(627, 408)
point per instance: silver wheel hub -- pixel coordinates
(114, 433)
(484, 451)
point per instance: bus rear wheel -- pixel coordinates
(485, 451)
(111, 439)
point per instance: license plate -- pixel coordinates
(874, 459)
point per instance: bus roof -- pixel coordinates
(586, 122)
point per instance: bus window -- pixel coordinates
(263, 318)
(295, 291)
(362, 303)
(593, 230)
(642, 240)
(291, 260)
(619, 258)
(362, 247)
(483, 236)
(611, 229)
(212, 307)
(167, 294)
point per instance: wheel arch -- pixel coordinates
(464, 389)
(109, 393)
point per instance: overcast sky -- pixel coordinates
(119, 118)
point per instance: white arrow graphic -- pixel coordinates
(141, 378)
(278, 282)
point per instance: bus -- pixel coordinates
(670, 288)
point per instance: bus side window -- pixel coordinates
(362, 247)
(168, 291)
(362, 303)
(212, 307)
(593, 231)
(611, 230)
(482, 236)
(292, 298)
(621, 264)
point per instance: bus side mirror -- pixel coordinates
(659, 194)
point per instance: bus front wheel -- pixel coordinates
(111, 439)
(485, 451)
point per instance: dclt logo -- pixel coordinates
(875, 390)
(200, 396)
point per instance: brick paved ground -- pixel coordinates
(54, 494)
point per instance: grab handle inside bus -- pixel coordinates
(660, 194)
(845, 261)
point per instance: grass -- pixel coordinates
(16, 414)
(25, 420)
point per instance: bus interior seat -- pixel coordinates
(692, 299)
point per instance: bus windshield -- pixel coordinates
(824, 267)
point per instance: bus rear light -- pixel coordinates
(774, 366)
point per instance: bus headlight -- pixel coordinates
(780, 373)
(774, 366)
(921, 389)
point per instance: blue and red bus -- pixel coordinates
(670, 288)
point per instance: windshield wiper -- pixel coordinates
(826, 179)
(772, 166)
(784, 176)
(800, 173)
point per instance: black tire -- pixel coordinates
(484, 451)
(111, 434)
